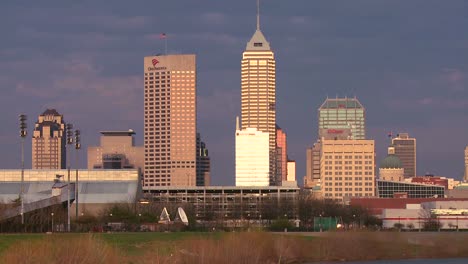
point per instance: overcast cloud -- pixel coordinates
(404, 60)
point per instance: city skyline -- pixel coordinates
(409, 75)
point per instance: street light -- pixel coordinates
(320, 223)
(23, 133)
(69, 131)
(354, 221)
(77, 147)
(52, 215)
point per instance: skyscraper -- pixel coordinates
(312, 177)
(405, 149)
(252, 159)
(48, 141)
(347, 168)
(341, 114)
(203, 163)
(258, 91)
(281, 156)
(170, 120)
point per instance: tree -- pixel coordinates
(398, 226)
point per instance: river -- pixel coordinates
(407, 261)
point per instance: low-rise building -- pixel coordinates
(117, 150)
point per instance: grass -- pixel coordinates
(238, 247)
(137, 243)
(6, 240)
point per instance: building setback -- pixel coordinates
(170, 120)
(252, 160)
(49, 141)
(312, 177)
(203, 163)
(342, 114)
(117, 150)
(405, 149)
(258, 92)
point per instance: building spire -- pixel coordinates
(258, 14)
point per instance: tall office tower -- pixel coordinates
(342, 113)
(466, 164)
(312, 177)
(203, 163)
(258, 91)
(117, 150)
(170, 121)
(252, 159)
(347, 168)
(281, 156)
(405, 149)
(48, 141)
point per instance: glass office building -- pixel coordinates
(391, 189)
(337, 114)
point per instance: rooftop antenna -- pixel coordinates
(258, 14)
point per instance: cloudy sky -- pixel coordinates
(406, 61)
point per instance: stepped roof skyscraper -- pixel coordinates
(258, 91)
(48, 141)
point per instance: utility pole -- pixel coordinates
(77, 147)
(23, 133)
(69, 128)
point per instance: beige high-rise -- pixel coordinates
(347, 168)
(116, 151)
(258, 91)
(170, 120)
(405, 149)
(48, 141)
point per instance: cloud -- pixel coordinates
(218, 105)
(215, 18)
(456, 78)
(299, 20)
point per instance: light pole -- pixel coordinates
(320, 223)
(52, 215)
(77, 147)
(354, 221)
(23, 133)
(69, 128)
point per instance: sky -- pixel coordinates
(406, 61)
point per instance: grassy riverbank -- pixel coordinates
(247, 247)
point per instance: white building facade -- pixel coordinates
(252, 157)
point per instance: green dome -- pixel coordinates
(391, 162)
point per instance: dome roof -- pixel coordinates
(391, 162)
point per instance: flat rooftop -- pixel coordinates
(129, 132)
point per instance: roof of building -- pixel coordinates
(346, 103)
(258, 42)
(391, 162)
(118, 133)
(51, 112)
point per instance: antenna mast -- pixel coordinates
(258, 14)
